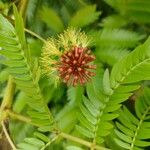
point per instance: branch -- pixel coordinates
(35, 35)
(26, 30)
(23, 6)
(19, 117)
(81, 141)
(52, 140)
(7, 136)
(7, 100)
(61, 134)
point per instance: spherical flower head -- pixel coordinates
(68, 58)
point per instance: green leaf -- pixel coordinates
(124, 137)
(25, 146)
(34, 141)
(5, 27)
(84, 16)
(135, 11)
(114, 21)
(73, 148)
(41, 136)
(123, 75)
(90, 107)
(117, 38)
(106, 83)
(131, 130)
(122, 144)
(85, 132)
(88, 115)
(51, 18)
(19, 66)
(124, 129)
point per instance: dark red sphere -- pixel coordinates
(74, 66)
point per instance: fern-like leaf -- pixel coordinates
(73, 148)
(15, 51)
(118, 38)
(51, 18)
(132, 131)
(100, 109)
(111, 55)
(113, 21)
(84, 16)
(38, 142)
(136, 10)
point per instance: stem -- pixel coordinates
(8, 137)
(55, 138)
(7, 100)
(61, 134)
(11, 4)
(92, 148)
(34, 34)
(8, 97)
(22, 9)
(19, 117)
(26, 30)
(82, 2)
(81, 141)
(138, 128)
(75, 139)
(1, 135)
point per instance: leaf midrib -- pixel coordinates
(123, 78)
(138, 127)
(30, 74)
(117, 85)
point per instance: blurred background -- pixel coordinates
(116, 28)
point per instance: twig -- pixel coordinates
(61, 134)
(22, 10)
(8, 137)
(49, 142)
(81, 141)
(7, 100)
(19, 117)
(34, 34)
(26, 30)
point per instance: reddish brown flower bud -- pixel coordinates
(74, 66)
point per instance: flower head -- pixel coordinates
(68, 58)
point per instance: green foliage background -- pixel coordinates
(112, 111)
